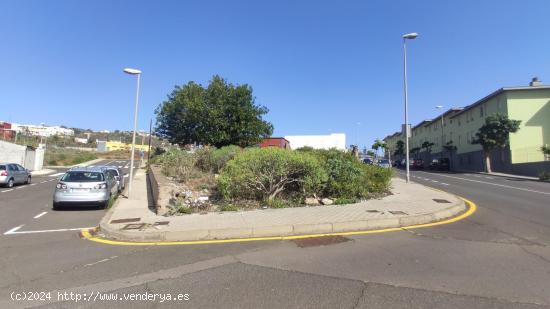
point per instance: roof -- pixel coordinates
(497, 92)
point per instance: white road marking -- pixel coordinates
(445, 184)
(44, 181)
(127, 166)
(489, 177)
(12, 231)
(120, 166)
(19, 188)
(435, 181)
(57, 174)
(101, 261)
(496, 184)
(7, 190)
(32, 184)
(477, 176)
(52, 180)
(40, 215)
(126, 175)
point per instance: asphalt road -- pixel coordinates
(497, 258)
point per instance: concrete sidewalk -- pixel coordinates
(409, 205)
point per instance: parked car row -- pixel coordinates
(80, 185)
(84, 185)
(380, 162)
(441, 164)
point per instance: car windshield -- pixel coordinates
(83, 177)
(2, 167)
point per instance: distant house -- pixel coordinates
(279, 142)
(6, 131)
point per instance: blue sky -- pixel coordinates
(319, 66)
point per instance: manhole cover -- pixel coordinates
(133, 226)
(125, 220)
(319, 241)
(398, 212)
(440, 200)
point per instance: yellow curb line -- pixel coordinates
(86, 233)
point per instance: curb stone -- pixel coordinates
(276, 231)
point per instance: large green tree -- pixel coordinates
(220, 114)
(495, 134)
(400, 148)
(378, 144)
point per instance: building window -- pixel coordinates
(481, 111)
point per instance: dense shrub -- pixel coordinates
(348, 178)
(177, 163)
(266, 173)
(213, 160)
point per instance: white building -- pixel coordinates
(81, 140)
(42, 130)
(334, 140)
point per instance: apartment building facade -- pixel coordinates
(457, 127)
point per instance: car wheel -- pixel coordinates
(10, 183)
(28, 180)
(56, 206)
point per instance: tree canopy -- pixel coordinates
(221, 114)
(495, 134)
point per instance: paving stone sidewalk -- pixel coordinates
(409, 204)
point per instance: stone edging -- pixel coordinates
(277, 231)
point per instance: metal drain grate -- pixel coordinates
(319, 241)
(133, 226)
(125, 220)
(440, 200)
(398, 212)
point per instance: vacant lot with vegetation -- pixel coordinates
(231, 178)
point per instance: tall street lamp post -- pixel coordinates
(138, 73)
(408, 36)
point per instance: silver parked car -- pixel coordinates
(84, 186)
(385, 163)
(11, 174)
(117, 174)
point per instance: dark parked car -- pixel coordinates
(417, 164)
(441, 164)
(368, 161)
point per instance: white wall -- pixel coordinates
(335, 140)
(27, 157)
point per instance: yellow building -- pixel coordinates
(458, 126)
(104, 146)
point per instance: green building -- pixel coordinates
(458, 126)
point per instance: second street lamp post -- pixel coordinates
(138, 73)
(408, 36)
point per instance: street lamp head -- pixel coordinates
(132, 71)
(410, 36)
